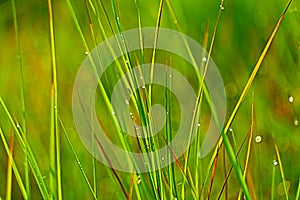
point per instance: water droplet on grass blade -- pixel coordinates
(275, 163)
(258, 139)
(198, 124)
(296, 122)
(291, 99)
(222, 7)
(86, 52)
(204, 59)
(126, 101)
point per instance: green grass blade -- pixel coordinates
(77, 25)
(281, 169)
(31, 158)
(231, 167)
(95, 185)
(9, 167)
(298, 191)
(155, 177)
(169, 134)
(246, 88)
(15, 169)
(140, 31)
(249, 147)
(158, 21)
(22, 93)
(102, 88)
(273, 182)
(55, 163)
(77, 160)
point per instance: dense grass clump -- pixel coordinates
(256, 47)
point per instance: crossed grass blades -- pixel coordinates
(187, 178)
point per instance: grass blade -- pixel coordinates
(22, 93)
(77, 160)
(55, 163)
(249, 146)
(298, 191)
(31, 158)
(244, 92)
(16, 172)
(230, 170)
(158, 21)
(9, 167)
(212, 177)
(281, 169)
(273, 182)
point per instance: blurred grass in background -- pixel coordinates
(243, 31)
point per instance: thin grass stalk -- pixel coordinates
(127, 57)
(146, 119)
(259, 170)
(112, 169)
(95, 185)
(55, 162)
(22, 93)
(9, 167)
(201, 81)
(94, 161)
(31, 158)
(225, 173)
(298, 191)
(140, 31)
(102, 90)
(77, 160)
(213, 173)
(159, 183)
(131, 187)
(15, 169)
(231, 167)
(249, 147)
(157, 26)
(253, 75)
(250, 81)
(226, 141)
(273, 182)
(198, 170)
(169, 133)
(281, 169)
(100, 84)
(144, 105)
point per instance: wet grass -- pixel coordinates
(256, 155)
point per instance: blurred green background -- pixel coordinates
(242, 33)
